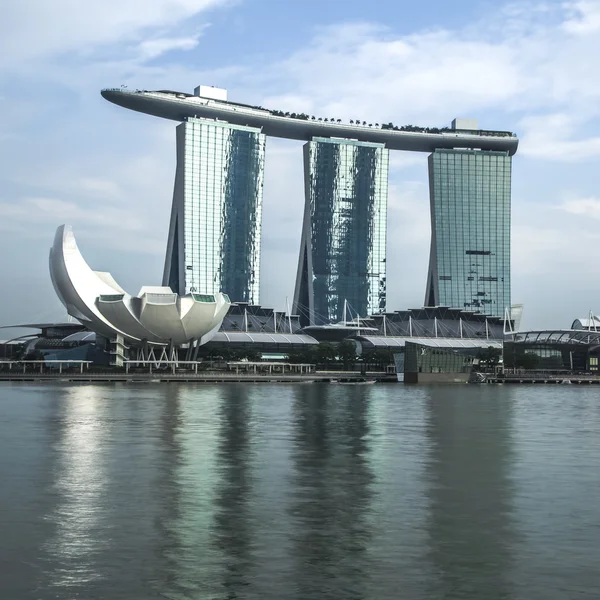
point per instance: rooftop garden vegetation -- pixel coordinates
(387, 126)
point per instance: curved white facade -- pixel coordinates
(156, 315)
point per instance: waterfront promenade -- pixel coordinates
(235, 372)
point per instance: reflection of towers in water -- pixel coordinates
(233, 524)
(187, 483)
(105, 499)
(470, 522)
(169, 487)
(331, 493)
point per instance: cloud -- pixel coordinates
(349, 68)
(586, 19)
(126, 228)
(551, 136)
(30, 29)
(587, 207)
(527, 66)
(149, 49)
(528, 61)
(408, 240)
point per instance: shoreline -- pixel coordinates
(168, 377)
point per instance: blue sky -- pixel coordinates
(66, 155)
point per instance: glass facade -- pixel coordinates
(342, 251)
(425, 359)
(214, 237)
(549, 356)
(469, 266)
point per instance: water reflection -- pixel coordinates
(189, 478)
(471, 494)
(167, 485)
(233, 527)
(79, 489)
(28, 433)
(331, 493)
(190, 492)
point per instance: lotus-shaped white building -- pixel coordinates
(156, 316)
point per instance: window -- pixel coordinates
(111, 297)
(203, 297)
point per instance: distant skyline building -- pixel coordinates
(469, 265)
(215, 230)
(343, 245)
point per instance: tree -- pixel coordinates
(347, 352)
(228, 354)
(306, 355)
(294, 357)
(369, 356)
(35, 354)
(490, 356)
(379, 357)
(383, 357)
(251, 355)
(325, 353)
(527, 360)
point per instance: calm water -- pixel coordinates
(299, 491)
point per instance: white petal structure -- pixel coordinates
(156, 315)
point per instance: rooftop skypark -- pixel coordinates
(212, 103)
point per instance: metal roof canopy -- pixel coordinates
(68, 325)
(81, 336)
(556, 336)
(262, 338)
(400, 342)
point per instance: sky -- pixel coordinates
(69, 156)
